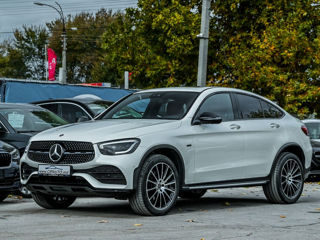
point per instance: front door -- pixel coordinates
(219, 148)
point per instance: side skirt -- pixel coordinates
(228, 184)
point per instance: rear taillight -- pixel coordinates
(305, 130)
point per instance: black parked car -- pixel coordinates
(9, 170)
(313, 126)
(76, 109)
(18, 122)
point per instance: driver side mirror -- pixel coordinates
(207, 118)
(83, 119)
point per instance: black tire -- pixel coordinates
(158, 177)
(286, 180)
(192, 194)
(3, 196)
(53, 201)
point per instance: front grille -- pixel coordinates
(75, 152)
(48, 180)
(106, 174)
(5, 159)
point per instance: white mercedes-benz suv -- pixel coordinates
(155, 145)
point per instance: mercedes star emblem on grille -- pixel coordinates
(56, 152)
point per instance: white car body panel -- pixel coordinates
(210, 152)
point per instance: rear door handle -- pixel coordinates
(234, 126)
(274, 125)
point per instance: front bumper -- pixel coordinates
(115, 180)
(9, 178)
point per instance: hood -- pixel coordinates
(106, 130)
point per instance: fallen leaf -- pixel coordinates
(302, 194)
(202, 239)
(103, 221)
(227, 204)
(282, 216)
(190, 220)
(138, 224)
(214, 190)
(318, 209)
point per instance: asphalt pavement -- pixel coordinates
(237, 213)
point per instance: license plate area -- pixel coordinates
(54, 170)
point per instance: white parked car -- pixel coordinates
(156, 145)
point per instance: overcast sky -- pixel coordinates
(15, 13)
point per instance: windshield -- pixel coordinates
(31, 120)
(153, 105)
(98, 107)
(314, 130)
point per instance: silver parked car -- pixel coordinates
(173, 142)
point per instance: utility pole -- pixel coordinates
(64, 58)
(63, 78)
(126, 80)
(46, 60)
(204, 41)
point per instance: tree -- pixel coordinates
(24, 56)
(156, 41)
(84, 55)
(268, 47)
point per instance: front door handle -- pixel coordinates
(274, 125)
(234, 126)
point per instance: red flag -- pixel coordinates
(52, 62)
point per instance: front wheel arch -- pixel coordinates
(170, 152)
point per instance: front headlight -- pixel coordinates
(119, 147)
(27, 147)
(15, 156)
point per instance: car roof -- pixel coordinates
(72, 100)
(19, 105)
(199, 90)
(176, 89)
(311, 120)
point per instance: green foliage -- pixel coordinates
(268, 47)
(84, 55)
(24, 57)
(157, 42)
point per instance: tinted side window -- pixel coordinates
(249, 107)
(51, 107)
(71, 112)
(270, 111)
(218, 104)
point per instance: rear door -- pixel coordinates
(262, 130)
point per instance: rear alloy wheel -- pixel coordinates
(53, 201)
(287, 178)
(3, 196)
(192, 194)
(157, 188)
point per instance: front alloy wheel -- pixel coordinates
(157, 188)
